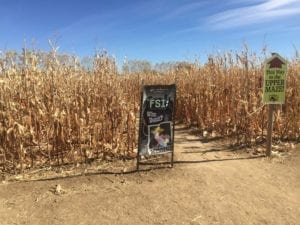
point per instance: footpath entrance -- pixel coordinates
(192, 147)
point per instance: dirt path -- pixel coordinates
(219, 186)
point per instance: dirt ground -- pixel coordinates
(209, 184)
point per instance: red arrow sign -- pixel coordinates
(276, 63)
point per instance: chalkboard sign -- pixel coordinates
(156, 133)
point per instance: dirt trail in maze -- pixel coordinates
(209, 184)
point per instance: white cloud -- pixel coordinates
(184, 9)
(268, 10)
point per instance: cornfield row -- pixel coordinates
(54, 112)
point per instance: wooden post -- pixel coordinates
(270, 129)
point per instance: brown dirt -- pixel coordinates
(209, 184)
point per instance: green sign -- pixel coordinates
(274, 80)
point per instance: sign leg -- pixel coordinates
(138, 162)
(270, 129)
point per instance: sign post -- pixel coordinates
(157, 113)
(274, 89)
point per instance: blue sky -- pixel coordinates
(156, 30)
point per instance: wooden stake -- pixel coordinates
(270, 129)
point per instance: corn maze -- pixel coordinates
(55, 113)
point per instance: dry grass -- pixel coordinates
(54, 112)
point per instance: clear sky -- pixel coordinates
(156, 30)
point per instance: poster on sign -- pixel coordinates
(159, 138)
(156, 134)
